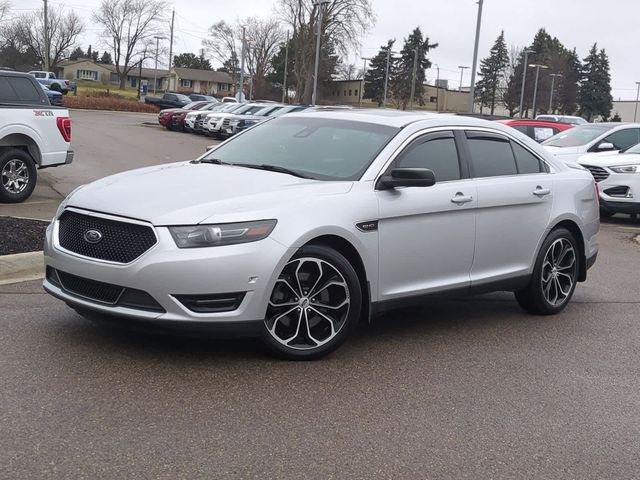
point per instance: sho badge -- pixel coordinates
(92, 236)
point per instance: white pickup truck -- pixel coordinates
(33, 135)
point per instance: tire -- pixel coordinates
(314, 306)
(18, 175)
(56, 88)
(554, 276)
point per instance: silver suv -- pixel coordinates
(301, 227)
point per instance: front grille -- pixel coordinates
(121, 242)
(598, 173)
(619, 191)
(101, 292)
(225, 122)
(90, 289)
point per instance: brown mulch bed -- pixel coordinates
(20, 236)
(111, 103)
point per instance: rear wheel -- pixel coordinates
(314, 306)
(55, 87)
(554, 277)
(18, 175)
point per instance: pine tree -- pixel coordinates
(594, 96)
(492, 71)
(375, 76)
(106, 58)
(566, 99)
(403, 76)
(89, 52)
(276, 72)
(76, 54)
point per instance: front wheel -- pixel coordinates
(554, 276)
(314, 306)
(18, 175)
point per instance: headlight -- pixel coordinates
(222, 234)
(64, 202)
(626, 169)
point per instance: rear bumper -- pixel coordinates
(620, 207)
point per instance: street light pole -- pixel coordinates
(635, 113)
(286, 68)
(472, 88)
(437, 88)
(386, 78)
(535, 85)
(320, 4)
(155, 72)
(413, 77)
(46, 37)
(524, 78)
(244, 42)
(364, 71)
(553, 81)
(461, 73)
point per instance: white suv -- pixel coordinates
(308, 223)
(618, 177)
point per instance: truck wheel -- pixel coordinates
(56, 88)
(18, 175)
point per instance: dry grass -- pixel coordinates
(90, 88)
(105, 101)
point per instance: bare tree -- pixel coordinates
(344, 23)
(264, 38)
(129, 25)
(64, 28)
(348, 71)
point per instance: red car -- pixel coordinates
(539, 130)
(164, 117)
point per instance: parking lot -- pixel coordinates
(471, 388)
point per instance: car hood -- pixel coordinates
(609, 159)
(190, 193)
(173, 110)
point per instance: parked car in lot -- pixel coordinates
(200, 117)
(570, 119)
(168, 100)
(55, 98)
(33, 135)
(230, 123)
(217, 123)
(191, 117)
(165, 116)
(618, 177)
(228, 100)
(571, 144)
(537, 129)
(305, 225)
(242, 123)
(199, 97)
(48, 79)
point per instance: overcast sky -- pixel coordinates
(451, 23)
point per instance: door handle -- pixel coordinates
(460, 198)
(541, 192)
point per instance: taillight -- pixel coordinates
(64, 125)
(595, 184)
(66, 82)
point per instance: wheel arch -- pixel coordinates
(575, 230)
(350, 252)
(23, 142)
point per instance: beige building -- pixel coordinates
(85, 69)
(341, 92)
(626, 109)
(206, 82)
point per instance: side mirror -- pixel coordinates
(604, 146)
(407, 177)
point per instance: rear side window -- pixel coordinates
(526, 161)
(491, 155)
(19, 90)
(437, 153)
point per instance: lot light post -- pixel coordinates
(286, 68)
(155, 72)
(242, 53)
(386, 78)
(472, 88)
(524, 78)
(462, 69)
(413, 77)
(553, 81)
(437, 87)
(364, 72)
(535, 85)
(320, 4)
(635, 113)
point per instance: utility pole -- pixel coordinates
(364, 71)
(635, 113)
(320, 4)
(155, 72)
(46, 37)
(524, 78)
(286, 69)
(173, 15)
(244, 42)
(437, 88)
(472, 88)
(413, 77)
(535, 86)
(386, 79)
(553, 81)
(462, 69)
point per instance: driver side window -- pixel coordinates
(437, 152)
(623, 138)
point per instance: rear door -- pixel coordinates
(515, 193)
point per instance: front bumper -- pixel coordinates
(166, 272)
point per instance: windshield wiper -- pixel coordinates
(213, 161)
(274, 168)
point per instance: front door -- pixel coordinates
(426, 234)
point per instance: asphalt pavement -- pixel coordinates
(466, 389)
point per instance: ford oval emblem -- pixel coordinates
(92, 236)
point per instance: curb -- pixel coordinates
(110, 111)
(21, 267)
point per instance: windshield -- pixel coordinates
(323, 149)
(577, 136)
(182, 98)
